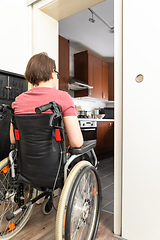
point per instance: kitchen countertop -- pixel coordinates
(96, 119)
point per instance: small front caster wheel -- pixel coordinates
(47, 206)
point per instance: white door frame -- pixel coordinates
(118, 113)
(118, 109)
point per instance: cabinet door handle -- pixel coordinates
(103, 95)
(88, 129)
(7, 87)
(89, 92)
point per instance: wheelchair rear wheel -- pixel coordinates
(10, 201)
(80, 204)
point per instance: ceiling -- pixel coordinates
(61, 9)
(85, 35)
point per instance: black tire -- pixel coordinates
(84, 206)
(8, 203)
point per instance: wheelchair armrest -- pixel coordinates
(87, 145)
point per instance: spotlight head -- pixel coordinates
(91, 20)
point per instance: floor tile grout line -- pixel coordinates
(107, 211)
(105, 169)
(108, 163)
(106, 175)
(99, 169)
(101, 164)
(104, 188)
(107, 186)
(108, 203)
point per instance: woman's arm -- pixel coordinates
(12, 139)
(73, 131)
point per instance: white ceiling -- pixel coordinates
(95, 37)
(61, 9)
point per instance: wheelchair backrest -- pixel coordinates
(39, 151)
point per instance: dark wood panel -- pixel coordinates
(67, 140)
(81, 71)
(111, 81)
(92, 70)
(105, 81)
(95, 69)
(63, 63)
(105, 137)
(81, 93)
(81, 66)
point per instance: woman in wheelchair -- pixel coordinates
(41, 73)
(40, 162)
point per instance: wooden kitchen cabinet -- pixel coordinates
(63, 63)
(105, 80)
(93, 71)
(105, 138)
(111, 81)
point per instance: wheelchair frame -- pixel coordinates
(77, 175)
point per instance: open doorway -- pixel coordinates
(54, 12)
(93, 30)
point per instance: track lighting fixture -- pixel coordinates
(92, 20)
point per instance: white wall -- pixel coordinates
(16, 42)
(21, 36)
(45, 32)
(14, 48)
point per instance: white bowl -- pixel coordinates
(100, 116)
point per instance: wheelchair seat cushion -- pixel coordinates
(38, 153)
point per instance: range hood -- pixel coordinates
(76, 84)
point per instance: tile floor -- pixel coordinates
(106, 174)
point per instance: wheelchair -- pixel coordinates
(39, 163)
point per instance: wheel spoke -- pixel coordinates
(9, 203)
(84, 204)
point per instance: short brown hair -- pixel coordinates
(39, 68)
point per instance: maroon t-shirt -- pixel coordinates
(26, 102)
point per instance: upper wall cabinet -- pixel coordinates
(94, 71)
(63, 63)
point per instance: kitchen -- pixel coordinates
(87, 72)
(74, 67)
